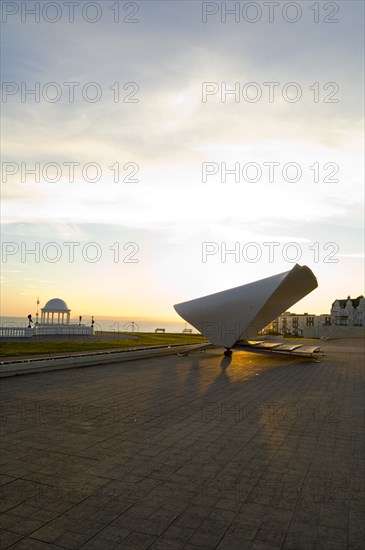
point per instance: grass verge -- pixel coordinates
(100, 341)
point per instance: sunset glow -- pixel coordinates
(161, 150)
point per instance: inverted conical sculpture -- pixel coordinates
(239, 313)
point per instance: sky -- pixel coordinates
(170, 150)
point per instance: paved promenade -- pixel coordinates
(198, 452)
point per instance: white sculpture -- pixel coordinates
(236, 315)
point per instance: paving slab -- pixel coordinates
(202, 451)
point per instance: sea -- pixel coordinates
(113, 324)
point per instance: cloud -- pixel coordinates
(170, 132)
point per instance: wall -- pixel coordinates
(333, 332)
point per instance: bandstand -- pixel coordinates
(55, 321)
(55, 311)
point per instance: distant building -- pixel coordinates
(296, 324)
(349, 312)
(55, 311)
(344, 313)
(55, 321)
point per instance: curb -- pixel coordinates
(30, 366)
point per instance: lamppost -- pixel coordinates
(37, 314)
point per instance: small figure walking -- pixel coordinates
(30, 320)
(80, 320)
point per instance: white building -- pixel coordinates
(349, 312)
(298, 324)
(55, 320)
(345, 320)
(55, 311)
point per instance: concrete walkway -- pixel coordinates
(253, 452)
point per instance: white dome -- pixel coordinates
(56, 305)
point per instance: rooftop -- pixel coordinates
(355, 301)
(56, 305)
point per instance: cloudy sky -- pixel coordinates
(161, 135)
